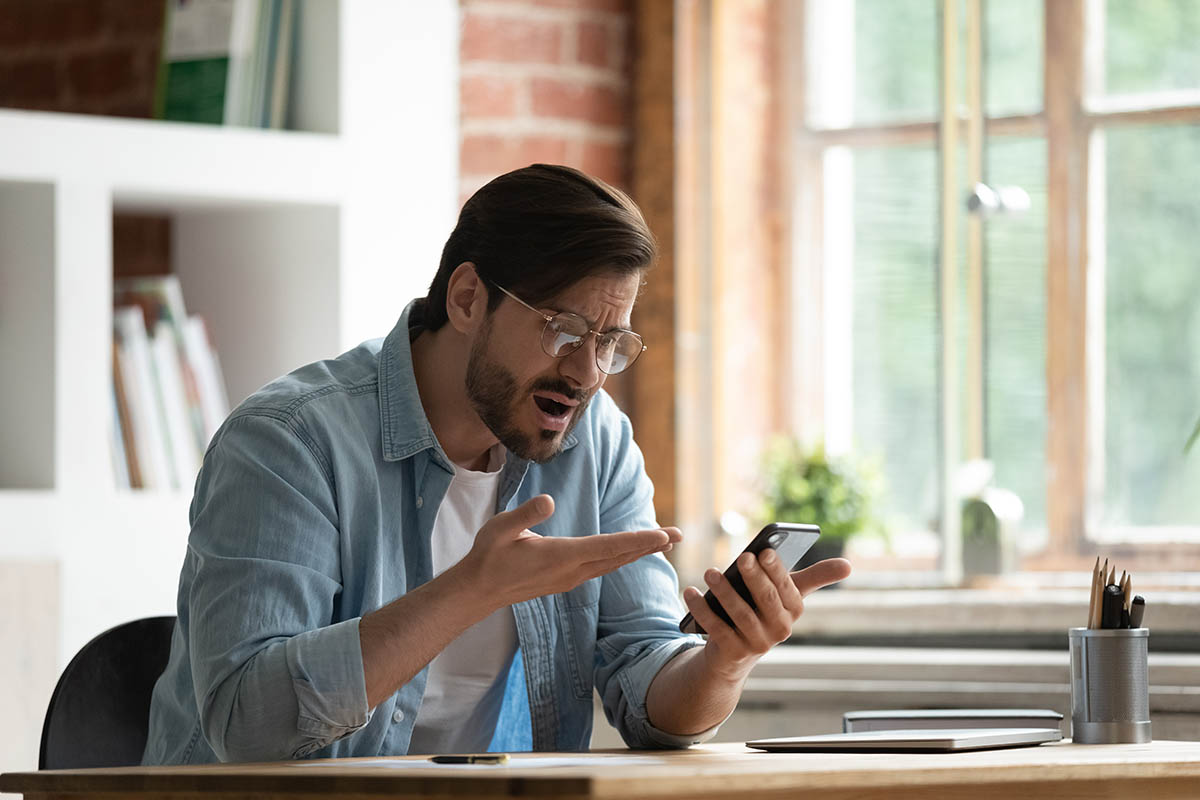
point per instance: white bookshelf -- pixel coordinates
(295, 245)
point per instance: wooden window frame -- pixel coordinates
(1067, 122)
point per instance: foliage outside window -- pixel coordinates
(869, 135)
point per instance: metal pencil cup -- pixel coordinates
(1110, 687)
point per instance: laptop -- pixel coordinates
(932, 740)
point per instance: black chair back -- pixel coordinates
(100, 710)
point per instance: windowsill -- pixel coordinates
(1026, 604)
(864, 677)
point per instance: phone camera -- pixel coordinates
(775, 539)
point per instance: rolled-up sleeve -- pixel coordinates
(640, 608)
(275, 676)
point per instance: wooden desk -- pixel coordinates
(730, 772)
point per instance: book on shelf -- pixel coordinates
(120, 461)
(137, 379)
(226, 62)
(168, 391)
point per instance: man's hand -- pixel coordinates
(510, 563)
(779, 596)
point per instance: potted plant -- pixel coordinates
(807, 485)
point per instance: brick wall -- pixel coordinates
(81, 56)
(544, 80)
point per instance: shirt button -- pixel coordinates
(397, 716)
(420, 501)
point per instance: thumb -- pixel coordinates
(822, 573)
(530, 513)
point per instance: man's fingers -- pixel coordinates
(594, 569)
(822, 573)
(745, 619)
(530, 513)
(705, 616)
(777, 571)
(759, 581)
(605, 546)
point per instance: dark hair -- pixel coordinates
(537, 231)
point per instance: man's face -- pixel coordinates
(528, 399)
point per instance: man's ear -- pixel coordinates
(466, 299)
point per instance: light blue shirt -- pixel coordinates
(315, 506)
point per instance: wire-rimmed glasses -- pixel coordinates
(564, 333)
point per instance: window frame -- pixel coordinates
(1069, 123)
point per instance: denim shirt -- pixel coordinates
(315, 505)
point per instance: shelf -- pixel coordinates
(156, 164)
(293, 244)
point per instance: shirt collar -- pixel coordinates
(405, 428)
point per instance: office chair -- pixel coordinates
(100, 710)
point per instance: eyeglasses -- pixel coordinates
(564, 333)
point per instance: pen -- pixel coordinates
(497, 758)
(1111, 607)
(1137, 609)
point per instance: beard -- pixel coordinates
(497, 399)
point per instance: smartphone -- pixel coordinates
(789, 541)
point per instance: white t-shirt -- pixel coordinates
(465, 687)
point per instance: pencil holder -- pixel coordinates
(1110, 686)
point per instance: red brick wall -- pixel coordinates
(82, 56)
(90, 57)
(544, 80)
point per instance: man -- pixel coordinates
(363, 574)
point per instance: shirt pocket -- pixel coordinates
(578, 614)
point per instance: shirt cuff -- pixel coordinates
(327, 676)
(642, 674)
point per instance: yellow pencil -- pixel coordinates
(1092, 594)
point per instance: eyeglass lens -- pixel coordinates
(615, 350)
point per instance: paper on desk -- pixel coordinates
(533, 762)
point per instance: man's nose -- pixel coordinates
(580, 366)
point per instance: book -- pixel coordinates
(186, 394)
(180, 435)
(200, 354)
(132, 477)
(116, 443)
(137, 376)
(225, 62)
(161, 299)
(275, 112)
(194, 70)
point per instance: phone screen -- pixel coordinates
(790, 541)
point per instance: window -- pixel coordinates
(944, 234)
(1000, 265)
(1142, 94)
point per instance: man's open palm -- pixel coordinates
(514, 563)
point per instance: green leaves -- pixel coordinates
(808, 486)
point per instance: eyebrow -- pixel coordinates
(591, 325)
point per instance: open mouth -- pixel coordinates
(551, 407)
(553, 410)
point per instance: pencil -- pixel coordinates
(1100, 595)
(1129, 593)
(1092, 593)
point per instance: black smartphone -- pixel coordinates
(790, 541)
